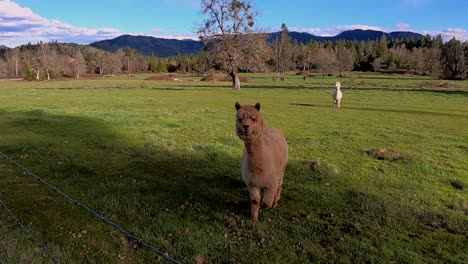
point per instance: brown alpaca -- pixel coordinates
(265, 158)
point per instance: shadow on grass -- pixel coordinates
(145, 188)
(89, 154)
(298, 104)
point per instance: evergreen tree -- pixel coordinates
(453, 60)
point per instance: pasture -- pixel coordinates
(383, 179)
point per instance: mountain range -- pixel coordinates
(151, 46)
(172, 47)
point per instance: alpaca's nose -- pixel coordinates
(245, 126)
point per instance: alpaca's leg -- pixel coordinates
(339, 103)
(255, 199)
(277, 196)
(269, 195)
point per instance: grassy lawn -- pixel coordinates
(383, 179)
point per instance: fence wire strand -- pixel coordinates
(94, 213)
(41, 245)
(9, 247)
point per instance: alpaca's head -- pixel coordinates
(338, 85)
(249, 121)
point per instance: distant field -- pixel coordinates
(381, 180)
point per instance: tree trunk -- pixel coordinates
(128, 66)
(48, 75)
(101, 70)
(77, 74)
(235, 81)
(16, 67)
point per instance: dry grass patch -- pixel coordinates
(387, 154)
(436, 85)
(166, 77)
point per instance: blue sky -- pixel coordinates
(85, 21)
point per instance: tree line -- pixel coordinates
(427, 56)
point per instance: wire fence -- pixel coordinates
(41, 245)
(129, 235)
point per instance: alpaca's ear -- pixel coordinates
(237, 105)
(257, 106)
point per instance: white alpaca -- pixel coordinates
(337, 95)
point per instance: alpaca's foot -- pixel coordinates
(254, 218)
(266, 206)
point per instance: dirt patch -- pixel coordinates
(457, 185)
(436, 85)
(214, 78)
(166, 77)
(385, 154)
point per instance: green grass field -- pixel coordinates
(384, 179)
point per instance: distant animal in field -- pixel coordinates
(264, 160)
(273, 78)
(337, 95)
(282, 78)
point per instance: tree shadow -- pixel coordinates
(398, 111)
(206, 175)
(301, 104)
(129, 183)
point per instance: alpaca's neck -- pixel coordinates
(254, 146)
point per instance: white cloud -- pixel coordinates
(333, 31)
(403, 27)
(447, 34)
(19, 25)
(163, 33)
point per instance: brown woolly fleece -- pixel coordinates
(265, 158)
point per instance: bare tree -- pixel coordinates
(13, 60)
(416, 60)
(107, 62)
(282, 51)
(325, 59)
(99, 60)
(111, 63)
(45, 58)
(432, 60)
(129, 52)
(345, 58)
(33, 59)
(227, 25)
(78, 62)
(4, 72)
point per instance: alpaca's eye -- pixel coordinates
(253, 119)
(240, 119)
